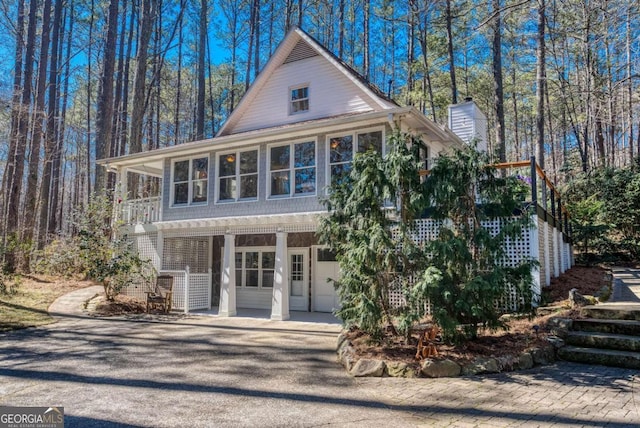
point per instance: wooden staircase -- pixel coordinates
(610, 336)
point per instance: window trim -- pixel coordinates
(291, 168)
(259, 250)
(237, 152)
(190, 181)
(354, 134)
(290, 99)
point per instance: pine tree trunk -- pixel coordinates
(56, 203)
(15, 111)
(202, 45)
(498, 95)
(140, 79)
(104, 114)
(18, 157)
(540, 84)
(37, 136)
(452, 65)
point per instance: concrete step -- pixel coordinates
(628, 327)
(605, 357)
(592, 339)
(614, 311)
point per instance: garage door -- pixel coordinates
(325, 297)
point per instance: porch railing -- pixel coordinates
(191, 291)
(140, 211)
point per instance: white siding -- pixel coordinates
(331, 93)
(468, 122)
(253, 298)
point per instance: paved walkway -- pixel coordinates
(626, 285)
(207, 371)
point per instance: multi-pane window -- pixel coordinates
(190, 181)
(299, 99)
(293, 169)
(255, 268)
(297, 274)
(238, 175)
(342, 150)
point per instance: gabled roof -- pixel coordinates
(298, 45)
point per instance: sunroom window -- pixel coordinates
(238, 175)
(293, 169)
(190, 181)
(342, 150)
(299, 99)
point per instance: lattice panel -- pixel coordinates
(179, 280)
(542, 248)
(199, 291)
(178, 253)
(146, 246)
(427, 229)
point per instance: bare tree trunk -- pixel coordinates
(202, 46)
(89, 77)
(452, 65)
(252, 31)
(104, 114)
(56, 203)
(540, 83)
(116, 124)
(288, 13)
(411, 24)
(256, 60)
(124, 113)
(365, 47)
(629, 86)
(176, 112)
(15, 115)
(341, 29)
(140, 79)
(18, 157)
(39, 119)
(516, 127)
(498, 97)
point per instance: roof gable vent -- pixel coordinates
(302, 50)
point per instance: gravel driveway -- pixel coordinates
(207, 371)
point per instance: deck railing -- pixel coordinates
(140, 211)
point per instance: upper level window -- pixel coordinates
(190, 181)
(293, 169)
(238, 175)
(342, 150)
(299, 99)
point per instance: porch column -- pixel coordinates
(280, 301)
(227, 307)
(122, 212)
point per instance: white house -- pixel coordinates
(236, 217)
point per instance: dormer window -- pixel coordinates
(299, 99)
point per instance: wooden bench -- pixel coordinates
(161, 294)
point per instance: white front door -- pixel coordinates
(298, 280)
(325, 297)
